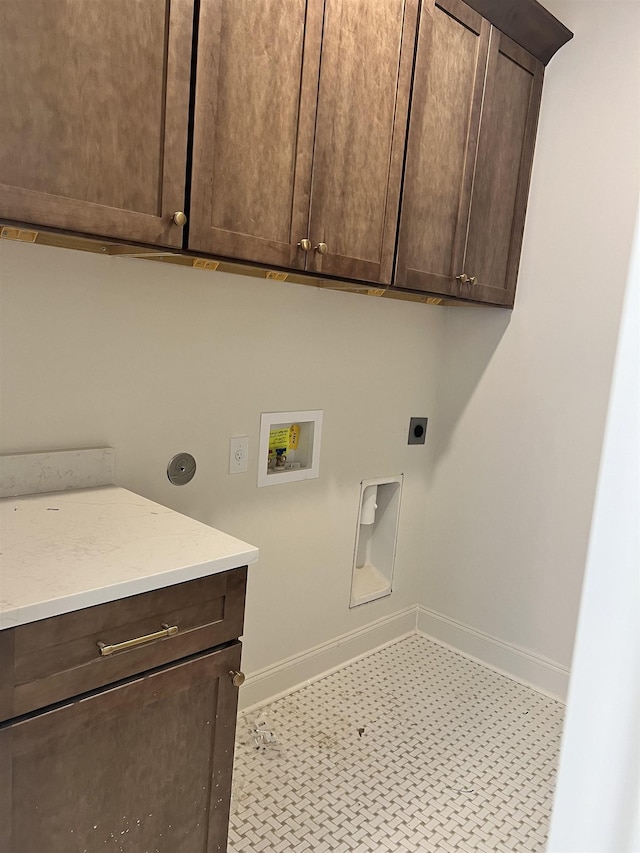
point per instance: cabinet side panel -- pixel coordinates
(446, 102)
(83, 111)
(6, 787)
(503, 166)
(223, 746)
(7, 673)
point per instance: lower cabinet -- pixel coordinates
(143, 764)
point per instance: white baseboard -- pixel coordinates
(515, 662)
(520, 664)
(288, 675)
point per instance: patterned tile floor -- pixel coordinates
(413, 748)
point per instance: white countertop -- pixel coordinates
(64, 551)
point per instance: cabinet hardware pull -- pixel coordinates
(305, 244)
(321, 248)
(179, 218)
(167, 631)
(237, 678)
(463, 278)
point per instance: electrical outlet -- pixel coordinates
(238, 454)
(417, 430)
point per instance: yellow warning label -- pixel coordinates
(284, 437)
(279, 438)
(294, 436)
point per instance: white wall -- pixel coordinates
(598, 791)
(153, 359)
(519, 436)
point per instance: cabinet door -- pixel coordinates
(502, 172)
(445, 113)
(365, 76)
(145, 765)
(94, 115)
(256, 85)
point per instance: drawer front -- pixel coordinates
(58, 658)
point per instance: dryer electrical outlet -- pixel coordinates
(417, 431)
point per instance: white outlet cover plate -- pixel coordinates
(238, 454)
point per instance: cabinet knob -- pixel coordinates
(463, 278)
(179, 218)
(305, 244)
(237, 678)
(321, 248)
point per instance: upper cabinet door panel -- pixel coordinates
(94, 115)
(256, 85)
(367, 52)
(445, 114)
(503, 169)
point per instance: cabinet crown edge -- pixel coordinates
(527, 23)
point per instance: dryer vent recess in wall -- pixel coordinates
(376, 538)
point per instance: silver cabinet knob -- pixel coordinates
(237, 678)
(305, 244)
(321, 248)
(463, 278)
(179, 218)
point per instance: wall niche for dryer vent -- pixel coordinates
(289, 446)
(376, 538)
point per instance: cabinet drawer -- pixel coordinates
(55, 659)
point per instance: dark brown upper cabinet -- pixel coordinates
(94, 107)
(276, 131)
(471, 138)
(299, 132)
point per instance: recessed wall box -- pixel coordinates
(376, 538)
(289, 446)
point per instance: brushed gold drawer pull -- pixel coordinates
(167, 631)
